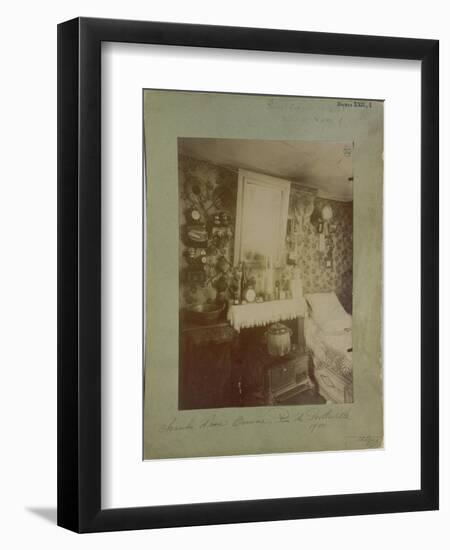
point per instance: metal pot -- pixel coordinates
(278, 340)
(204, 314)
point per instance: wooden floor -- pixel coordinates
(308, 397)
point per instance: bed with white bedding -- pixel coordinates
(328, 336)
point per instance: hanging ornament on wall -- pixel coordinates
(327, 213)
(193, 216)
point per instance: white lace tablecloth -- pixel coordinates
(265, 313)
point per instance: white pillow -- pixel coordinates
(327, 310)
(338, 325)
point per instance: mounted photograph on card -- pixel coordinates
(263, 274)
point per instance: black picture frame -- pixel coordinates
(79, 274)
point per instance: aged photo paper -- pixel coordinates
(263, 274)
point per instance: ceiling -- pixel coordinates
(323, 165)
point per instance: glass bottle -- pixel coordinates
(244, 282)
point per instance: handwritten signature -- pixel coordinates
(315, 419)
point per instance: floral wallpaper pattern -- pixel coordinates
(199, 185)
(209, 189)
(316, 277)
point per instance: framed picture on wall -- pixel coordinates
(233, 297)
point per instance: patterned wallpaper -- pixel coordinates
(316, 276)
(200, 183)
(210, 189)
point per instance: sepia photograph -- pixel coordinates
(266, 272)
(263, 278)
